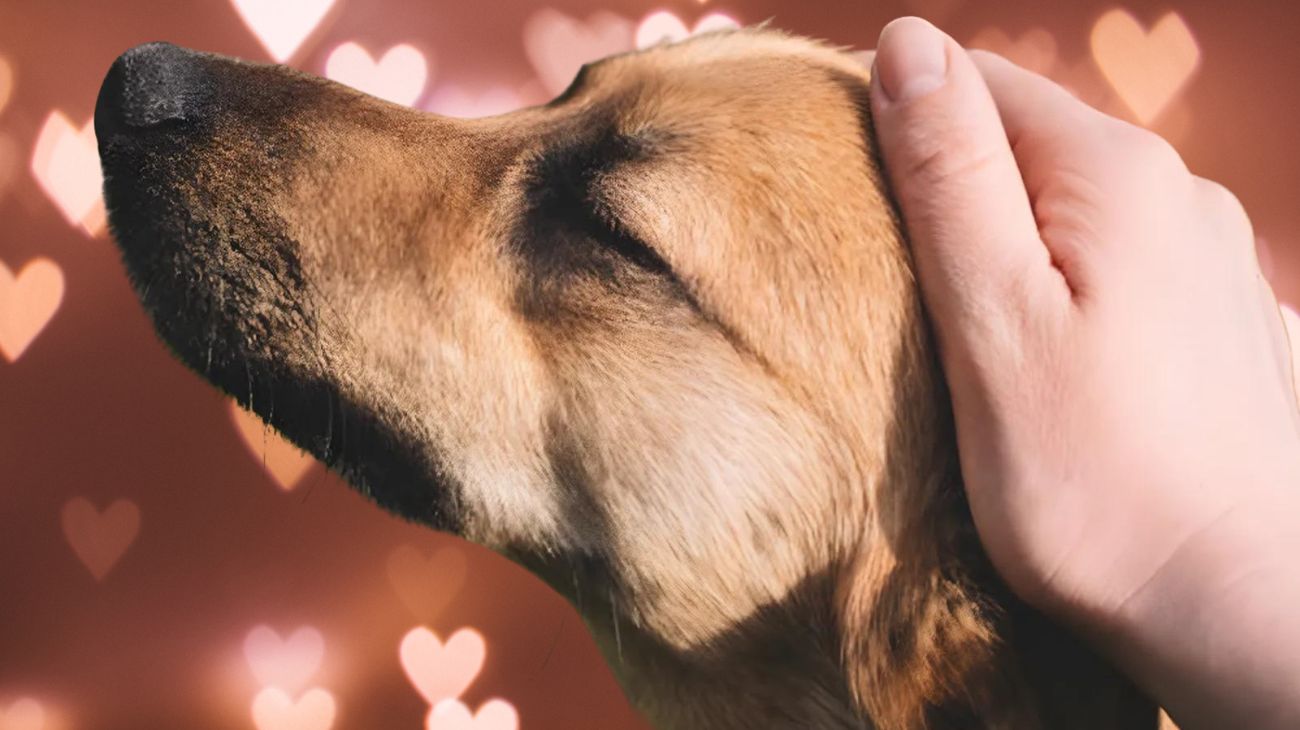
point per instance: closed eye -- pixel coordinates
(564, 200)
(606, 228)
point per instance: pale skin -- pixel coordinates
(1121, 375)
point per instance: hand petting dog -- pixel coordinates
(1122, 381)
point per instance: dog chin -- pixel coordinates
(368, 445)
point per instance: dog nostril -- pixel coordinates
(150, 85)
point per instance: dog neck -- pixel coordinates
(780, 670)
(873, 642)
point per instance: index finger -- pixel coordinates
(1291, 327)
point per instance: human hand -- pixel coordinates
(1121, 377)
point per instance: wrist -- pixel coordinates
(1214, 634)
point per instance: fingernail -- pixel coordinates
(911, 58)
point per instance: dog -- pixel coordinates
(658, 340)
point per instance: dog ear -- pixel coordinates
(933, 639)
(922, 636)
(866, 58)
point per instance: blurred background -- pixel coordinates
(166, 563)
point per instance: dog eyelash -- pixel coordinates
(609, 231)
(585, 213)
(565, 188)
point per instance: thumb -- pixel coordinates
(951, 168)
(1291, 328)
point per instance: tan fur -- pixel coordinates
(743, 473)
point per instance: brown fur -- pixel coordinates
(658, 340)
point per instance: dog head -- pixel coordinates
(657, 340)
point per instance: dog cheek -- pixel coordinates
(488, 411)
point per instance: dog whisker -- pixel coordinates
(329, 427)
(577, 588)
(618, 635)
(248, 373)
(554, 640)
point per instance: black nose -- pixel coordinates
(151, 85)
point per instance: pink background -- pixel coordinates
(95, 407)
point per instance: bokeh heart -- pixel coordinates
(1035, 49)
(274, 709)
(557, 45)
(935, 11)
(1084, 80)
(65, 162)
(398, 76)
(1146, 69)
(454, 715)
(8, 162)
(100, 539)
(441, 671)
(665, 27)
(6, 82)
(285, 663)
(282, 25)
(28, 302)
(1175, 124)
(453, 101)
(283, 461)
(23, 714)
(426, 583)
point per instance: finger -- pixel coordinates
(1040, 117)
(1225, 212)
(956, 181)
(1284, 342)
(1091, 178)
(1291, 328)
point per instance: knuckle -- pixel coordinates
(954, 159)
(1139, 165)
(1225, 206)
(981, 55)
(1145, 149)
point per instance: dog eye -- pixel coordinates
(564, 194)
(606, 228)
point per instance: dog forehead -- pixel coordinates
(752, 63)
(749, 44)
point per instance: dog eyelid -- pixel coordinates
(616, 236)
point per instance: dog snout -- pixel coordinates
(151, 85)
